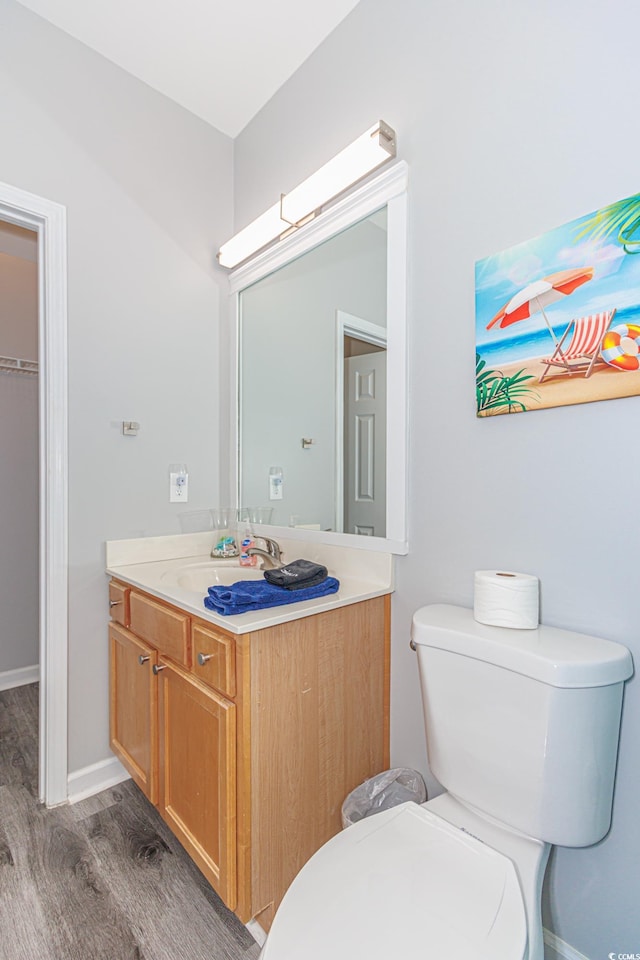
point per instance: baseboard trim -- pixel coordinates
(93, 779)
(20, 677)
(564, 950)
(256, 932)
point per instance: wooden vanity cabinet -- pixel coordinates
(251, 742)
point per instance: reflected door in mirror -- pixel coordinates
(365, 444)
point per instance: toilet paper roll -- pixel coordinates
(505, 599)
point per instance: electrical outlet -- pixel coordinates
(275, 483)
(178, 486)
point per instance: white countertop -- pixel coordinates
(153, 564)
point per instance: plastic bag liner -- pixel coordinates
(381, 792)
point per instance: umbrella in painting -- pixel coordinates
(540, 294)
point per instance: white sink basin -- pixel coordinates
(200, 576)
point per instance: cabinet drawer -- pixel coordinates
(119, 602)
(214, 658)
(163, 627)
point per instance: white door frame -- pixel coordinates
(49, 220)
(347, 324)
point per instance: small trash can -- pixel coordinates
(385, 790)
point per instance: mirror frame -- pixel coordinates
(387, 189)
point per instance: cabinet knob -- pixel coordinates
(114, 603)
(143, 659)
(412, 644)
(203, 657)
(157, 667)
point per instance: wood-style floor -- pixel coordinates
(103, 879)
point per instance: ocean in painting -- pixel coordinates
(513, 348)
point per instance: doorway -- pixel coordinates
(48, 220)
(19, 654)
(361, 426)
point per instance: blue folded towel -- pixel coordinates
(248, 595)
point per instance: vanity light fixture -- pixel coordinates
(353, 163)
(267, 227)
(373, 148)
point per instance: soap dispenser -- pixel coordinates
(247, 559)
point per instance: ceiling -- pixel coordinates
(222, 60)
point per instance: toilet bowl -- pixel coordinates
(510, 717)
(403, 883)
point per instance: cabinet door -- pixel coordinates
(134, 708)
(198, 774)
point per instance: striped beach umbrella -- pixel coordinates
(540, 294)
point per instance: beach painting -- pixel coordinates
(558, 317)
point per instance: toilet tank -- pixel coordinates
(523, 724)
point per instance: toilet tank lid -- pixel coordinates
(557, 657)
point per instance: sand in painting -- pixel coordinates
(560, 389)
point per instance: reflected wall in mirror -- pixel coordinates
(321, 372)
(313, 373)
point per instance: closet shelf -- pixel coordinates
(14, 365)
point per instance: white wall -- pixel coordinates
(289, 333)
(147, 191)
(19, 599)
(514, 118)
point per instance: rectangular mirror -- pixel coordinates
(321, 382)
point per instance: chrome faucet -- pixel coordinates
(271, 553)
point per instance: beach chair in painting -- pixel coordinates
(579, 348)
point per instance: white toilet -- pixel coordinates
(522, 731)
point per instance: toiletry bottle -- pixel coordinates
(246, 559)
(225, 547)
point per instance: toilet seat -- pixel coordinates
(403, 883)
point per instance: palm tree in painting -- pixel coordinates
(621, 218)
(495, 392)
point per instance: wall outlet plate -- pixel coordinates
(275, 483)
(178, 487)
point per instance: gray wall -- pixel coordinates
(147, 191)
(18, 452)
(514, 118)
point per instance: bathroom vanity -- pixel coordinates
(247, 732)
